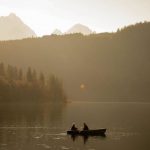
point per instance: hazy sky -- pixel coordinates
(43, 16)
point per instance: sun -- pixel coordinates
(82, 86)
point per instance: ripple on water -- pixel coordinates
(3, 144)
(38, 136)
(56, 138)
(64, 148)
(120, 134)
(44, 146)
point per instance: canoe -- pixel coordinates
(87, 132)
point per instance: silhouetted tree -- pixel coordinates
(2, 69)
(42, 79)
(29, 75)
(55, 89)
(20, 74)
(34, 76)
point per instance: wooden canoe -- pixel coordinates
(87, 132)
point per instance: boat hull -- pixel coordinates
(88, 132)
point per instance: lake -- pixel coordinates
(43, 127)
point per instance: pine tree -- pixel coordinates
(29, 75)
(34, 76)
(2, 70)
(42, 79)
(20, 74)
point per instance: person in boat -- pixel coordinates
(85, 127)
(74, 128)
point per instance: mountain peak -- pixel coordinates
(79, 28)
(12, 27)
(12, 15)
(57, 32)
(81, 25)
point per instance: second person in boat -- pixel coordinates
(85, 127)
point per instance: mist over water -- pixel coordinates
(44, 126)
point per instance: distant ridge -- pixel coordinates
(79, 28)
(12, 27)
(57, 32)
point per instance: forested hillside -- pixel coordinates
(29, 87)
(94, 66)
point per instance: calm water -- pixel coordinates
(43, 127)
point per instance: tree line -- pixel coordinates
(17, 86)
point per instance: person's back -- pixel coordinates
(85, 127)
(74, 128)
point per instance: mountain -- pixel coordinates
(57, 32)
(107, 65)
(79, 28)
(12, 27)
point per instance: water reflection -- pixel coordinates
(44, 115)
(86, 137)
(27, 126)
(44, 126)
